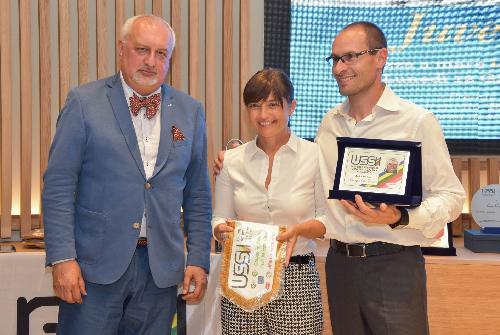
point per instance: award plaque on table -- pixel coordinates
(378, 170)
(252, 264)
(485, 209)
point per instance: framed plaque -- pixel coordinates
(486, 208)
(378, 170)
(444, 245)
(252, 264)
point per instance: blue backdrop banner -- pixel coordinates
(442, 57)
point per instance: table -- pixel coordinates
(463, 292)
(28, 305)
(463, 295)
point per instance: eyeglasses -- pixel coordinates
(350, 57)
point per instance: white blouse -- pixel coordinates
(294, 195)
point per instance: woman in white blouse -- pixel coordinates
(274, 179)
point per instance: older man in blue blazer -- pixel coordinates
(128, 153)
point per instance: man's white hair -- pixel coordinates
(129, 24)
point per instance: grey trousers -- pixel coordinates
(378, 295)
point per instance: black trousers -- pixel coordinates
(377, 295)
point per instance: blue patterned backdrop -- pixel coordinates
(442, 57)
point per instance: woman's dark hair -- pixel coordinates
(269, 81)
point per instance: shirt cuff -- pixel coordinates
(62, 261)
(403, 221)
(322, 219)
(215, 222)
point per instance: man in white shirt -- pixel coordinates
(375, 271)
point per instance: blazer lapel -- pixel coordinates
(122, 115)
(166, 129)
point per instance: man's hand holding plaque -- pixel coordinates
(384, 214)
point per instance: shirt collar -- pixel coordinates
(128, 91)
(388, 101)
(292, 144)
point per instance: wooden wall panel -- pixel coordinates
(119, 19)
(6, 120)
(194, 49)
(492, 170)
(227, 72)
(474, 168)
(139, 7)
(158, 8)
(64, 51)
(176, 60)
(210, 74)
(102, 39)
(45, 89)
(83, 42)
(26, 116)
(458, 228)
(246, 132)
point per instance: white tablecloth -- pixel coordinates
(23, 275)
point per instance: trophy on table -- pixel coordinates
(486, 212)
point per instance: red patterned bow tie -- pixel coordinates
(151, 103)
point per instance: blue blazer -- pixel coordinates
(95, 189)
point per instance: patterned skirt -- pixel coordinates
(297, 311)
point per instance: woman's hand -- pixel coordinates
(221, 230)
(218, 163)
(290, 237)
(309, 229)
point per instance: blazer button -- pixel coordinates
(136, 225)
(147, 186)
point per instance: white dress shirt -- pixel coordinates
(294, 194)
(148, 137)
(393, 119)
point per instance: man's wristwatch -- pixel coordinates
(403, 220)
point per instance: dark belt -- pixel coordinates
(142, 242)
(365, 249)
(302, 259)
